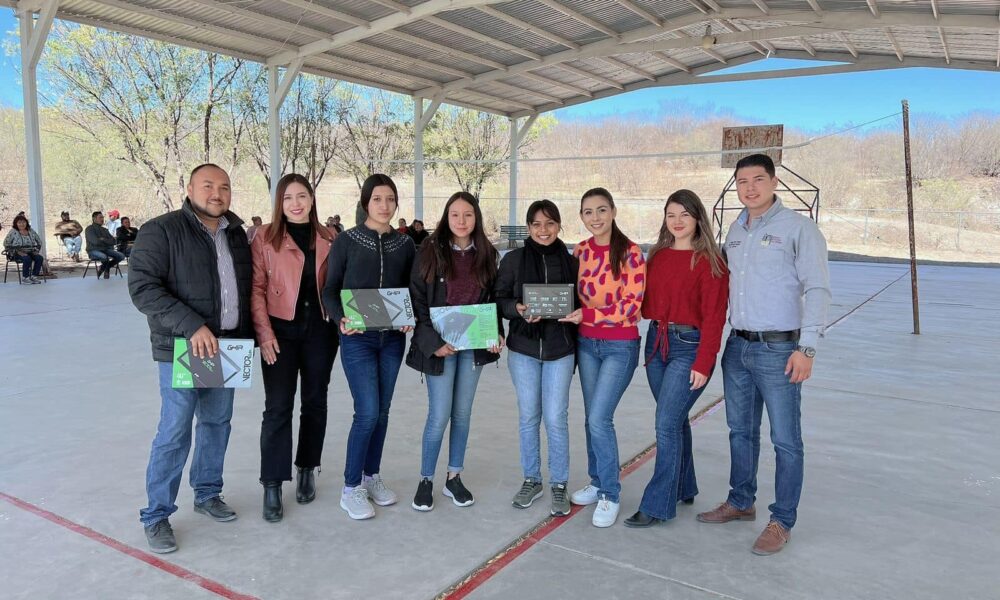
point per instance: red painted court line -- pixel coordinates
(150, 559)
(518, 547)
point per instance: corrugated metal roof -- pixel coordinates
(526, 56)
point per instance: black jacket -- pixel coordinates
(426, 341)
(174, 278)
(362, 259)
(556, 339)
(99, 239)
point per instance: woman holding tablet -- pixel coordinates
(456, 266)
(369, 256)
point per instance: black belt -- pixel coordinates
(677, 327)
(768, 336)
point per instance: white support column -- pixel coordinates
(33, 36)
(421, 118)
(277, 90)
(516, 138)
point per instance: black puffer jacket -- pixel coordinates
(556, 339)
(361, 258)
(426, 341)
(174, 278)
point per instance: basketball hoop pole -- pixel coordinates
(909, 215)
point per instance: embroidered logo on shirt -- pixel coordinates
(734, 244)
(770, 240)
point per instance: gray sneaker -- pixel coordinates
(560, 501)
(355, 502)
(216, 509)
(378, 490)
(160, 536)
(530, 491)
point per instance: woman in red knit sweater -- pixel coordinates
(610, 285)
(686, 297)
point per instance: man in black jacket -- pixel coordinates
(190, 274)
(101, 246)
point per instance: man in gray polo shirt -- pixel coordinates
(779, 293)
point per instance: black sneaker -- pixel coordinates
(423, 500)
(216, 509)
(160, 536)
(454, 489)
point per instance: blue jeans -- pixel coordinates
(31, 265)
(107, 259)
(450, 397)
(753, 374)
(542, 388)
(670, 381)
(73, 245)
(214, 409)
(371, 362)
(606, 369)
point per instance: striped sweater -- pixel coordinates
(611, 305)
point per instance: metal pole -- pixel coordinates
(418, 158)
(512, 189)
(274, 127)
(909, 217)
(958, 232)
(33, 36)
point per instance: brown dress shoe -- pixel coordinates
(772, 539)
(726, 512)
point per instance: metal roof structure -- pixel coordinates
(529, 56)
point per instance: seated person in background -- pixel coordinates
(23, 246)
(333, 224)
(126, 236)
(101, 246)
(417, 232)
(252, 230)
(402, 227)
(113, 222)
(69, 231)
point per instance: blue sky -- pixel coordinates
(809, 103)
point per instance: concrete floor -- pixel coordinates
(901, 497)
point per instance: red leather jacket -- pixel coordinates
(276, 279)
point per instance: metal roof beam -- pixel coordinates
(944, 45)
(576, 16)
(599, 78)
(895, 44)
(396, 6)
(934, 7)
(447, 50)
(513, 89)
(807, 46)
(261, 18)
(382, 25)
(815, 6)
(620, 64)
(764, 8)
(319, 9)
(577, 91)
(734, 27)
(671, 61)
(536, 30)
(847, 43)
(642, 12)
(481, 37)
(873, 6)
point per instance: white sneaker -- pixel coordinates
(585, 496)
(355, 502)
(379, 492)
(606, 513)
(34, 279)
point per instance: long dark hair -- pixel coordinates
(703, 241)
(435, 252)
(619, 241)
(279, 222)
(373, 182)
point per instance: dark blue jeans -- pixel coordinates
(31, 265)
(213, 408)
(371, 362)
(754, 377)
(670, 381)
(107, 259)
(606, 369)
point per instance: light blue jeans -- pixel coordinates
(73, 245)
(542, 388)
(450, 397)
(606, 369)
(214, 409)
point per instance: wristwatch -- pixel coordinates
(808, 351)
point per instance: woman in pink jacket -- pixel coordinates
(296, 340)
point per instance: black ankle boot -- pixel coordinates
(273, 511)
(305, 488)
